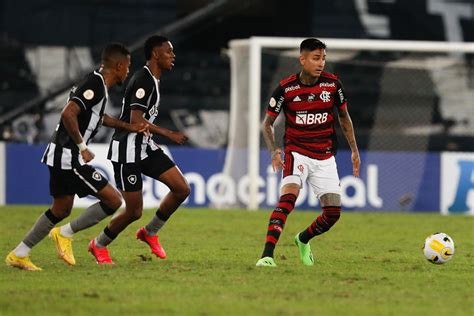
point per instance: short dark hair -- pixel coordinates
(311, 44)
(112, 50)
(152, 42)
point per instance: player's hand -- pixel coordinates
(178, 137)
(140, 128)
(355, 163)
(87, 155)
(277, 161)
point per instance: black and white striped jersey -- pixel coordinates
(142, 93)
(91, 96)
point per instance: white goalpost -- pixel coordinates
(242, 161)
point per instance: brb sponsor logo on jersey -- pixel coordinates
(305, 118)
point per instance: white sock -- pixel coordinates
(22, 250)
(66, 230)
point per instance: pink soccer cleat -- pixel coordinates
(152, 241)
(101, 254)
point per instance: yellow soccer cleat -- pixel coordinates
(21, 262)
(63, 246)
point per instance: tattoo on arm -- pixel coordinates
(347, 128)
(268, 134)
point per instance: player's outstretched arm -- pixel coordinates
(69, 120)
(348, 130)
(110, 121)
(136, 117)
(269, 137)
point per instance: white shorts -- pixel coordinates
(321, 175)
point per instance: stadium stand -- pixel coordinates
(200, 80)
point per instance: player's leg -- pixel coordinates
(63, 197)
(324, 180)
(110, 201)
(60, 209)
(89, 181)
(289, 194)
(161, 167)
(329, 216)
(331, 205)
(179, 191)
(133, 210)
(129, 181)
(294, 175)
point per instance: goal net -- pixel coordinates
(403, 96)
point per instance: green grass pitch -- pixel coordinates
(368, 264)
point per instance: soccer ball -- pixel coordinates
(438, 248)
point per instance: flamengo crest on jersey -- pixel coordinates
(142, 93)
(309, 114)
(90, 94)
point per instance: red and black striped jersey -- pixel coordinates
(309, 114)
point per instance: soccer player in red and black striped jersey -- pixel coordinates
(309, 101)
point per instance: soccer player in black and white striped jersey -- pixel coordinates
(67, 156)
(133, 154)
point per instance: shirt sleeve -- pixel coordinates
(341, 99)
(276, 102)
(88, 93)
(140, 94)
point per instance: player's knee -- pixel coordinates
(111, 200)
(134, 214)
(110, 209)
(64, 213)
(135, 217)
(183, 192)
(116, 201)
(115, 204)
(61, 212)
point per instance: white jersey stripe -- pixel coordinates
(95, 118)
(50, 157)
(66, 159)
(131, 147)
(143, 153)
(115, 150)
(121, 176)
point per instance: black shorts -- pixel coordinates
(128, 176)
(83, 180)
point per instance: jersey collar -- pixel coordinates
(306, 85)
